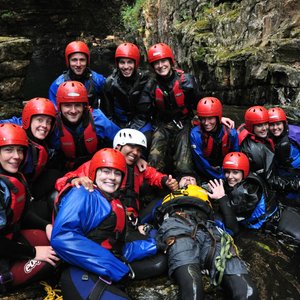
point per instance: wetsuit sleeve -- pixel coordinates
(229, 217)
(105, 128)
(201, 163)
(234, 141)
(15, 250)
(191, 92)
(14, 120)
(53, 89)
(80, 212)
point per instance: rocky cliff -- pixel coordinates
(245, 52)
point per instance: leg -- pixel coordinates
(189, 280)
(159, 148)
(152, 266)
(239, 286)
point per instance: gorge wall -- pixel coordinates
(245, 52)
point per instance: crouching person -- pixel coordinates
(89, 234)
(25, 254)
(194, 243)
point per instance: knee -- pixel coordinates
(240, 287)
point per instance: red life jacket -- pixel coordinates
(243, 133)
(68, 145)
(209, 142)
(40, 158)
(18, 196)
(177, 92)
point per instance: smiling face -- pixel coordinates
(162, 67)
(40, 126)
(233, 177)
(261, 130)
(131, 152)
(126, 66)
(11, 157)
(276, 128)
(108, 180)
(72, 111)
(78, 63)
(209, 124)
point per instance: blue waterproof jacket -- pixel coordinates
(202, 162)
(94, 84)
(81, 211)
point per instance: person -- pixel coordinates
(284, 136)
(175, 95)
(211, 141)
(25, 254)
(89, 233)
(259, 148)
(287, 149)
(130, 143)
(125, 105)
(193, 243)
(80, 131)
(253, 203)
(77, 56)
(38, 119)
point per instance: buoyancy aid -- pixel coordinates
(243, 133)
(18, 195)
(111, 232)
(209, 142)
(70, 144)
(191, 198)
(39, 158)
(177, 92)
(252, 202)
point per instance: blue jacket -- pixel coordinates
(81, 211)
(202, 162)
(94, 85)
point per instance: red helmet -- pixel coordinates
(255, 115)
(71, 91)
(209, 107)
(75, 47)
(237, 161)
(11, 134)
(37, 106)
(128, 50)
(276, 114)
(160, 51)
(107, 158)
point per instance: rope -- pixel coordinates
(52, 294)
(225, 254)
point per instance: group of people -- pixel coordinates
(75, 170)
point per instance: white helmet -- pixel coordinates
(129, 136)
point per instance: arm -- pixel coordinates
(105, 128)
(82, 171)
(201, 163)
(14, 120)
(218, 194)
(79, 213)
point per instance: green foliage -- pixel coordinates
(7, 15)
(131, 15)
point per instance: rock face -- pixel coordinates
(15, 54)
(39, 30)
(245, 52)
